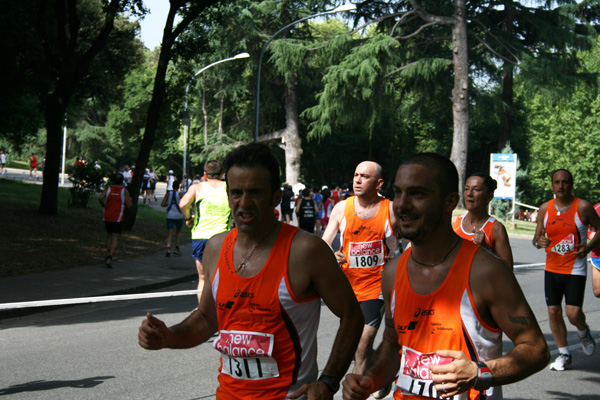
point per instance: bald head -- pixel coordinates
(368, 179)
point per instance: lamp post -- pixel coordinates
(345, 7)
(186, 116)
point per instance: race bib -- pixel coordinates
(366, 254)
(414, 377)
(247, 355)
(565, 246)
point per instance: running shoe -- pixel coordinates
(384, 391)
(168, 252)
(588, 343)
(177, 251)
(562, 362)
(108, 261)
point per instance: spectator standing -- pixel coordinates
(114, 199)
(174, 217)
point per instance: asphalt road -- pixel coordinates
(91, 351)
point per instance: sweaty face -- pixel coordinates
(365, 180)
(476, 194)
(417, 203)
(562, 184)
(251, 199)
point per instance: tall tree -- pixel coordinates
(189, 10)
(70, 46)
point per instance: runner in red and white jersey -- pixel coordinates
(264, 282)
(114, 199)
(595, 258)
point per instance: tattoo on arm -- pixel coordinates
(524, 320)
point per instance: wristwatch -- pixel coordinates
(484, 378)
(333, 384)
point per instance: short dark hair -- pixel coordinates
(561, 169)
(117, 178)
(254, 155)
(213, 169)
(446, 172)
(490, 183)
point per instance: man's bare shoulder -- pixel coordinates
(487, 269)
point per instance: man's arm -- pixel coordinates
(102, 196)
(589, 217)
(189, 198)
(500, 303)
(385, 363)
(199, 325)
(128, 202)
(332, 229)
(540, 240)
(313, 270)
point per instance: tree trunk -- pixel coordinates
(291, 141)
(205, 114)
(507, 82)
(55, 113)
(460, 93)
(220, 130)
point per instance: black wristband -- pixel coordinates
(332, 383)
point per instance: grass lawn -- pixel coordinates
(32, 242)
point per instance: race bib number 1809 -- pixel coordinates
(366, 254)
(247, 355)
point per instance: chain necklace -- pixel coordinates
(247, 258)
(561, 209)
(437, 263)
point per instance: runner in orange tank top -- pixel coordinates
(477, 225)
(367, 238)
(562, 231)
(262, 294)
(447, 303)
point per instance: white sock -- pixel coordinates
(582, 333)
(564, 350)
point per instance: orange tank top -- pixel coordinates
(363, 243)
(267, 337)
(114, 207)
(487, 228)
(445, 319)
(565, 230)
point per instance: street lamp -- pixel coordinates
(186, 117)
(345, 7)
